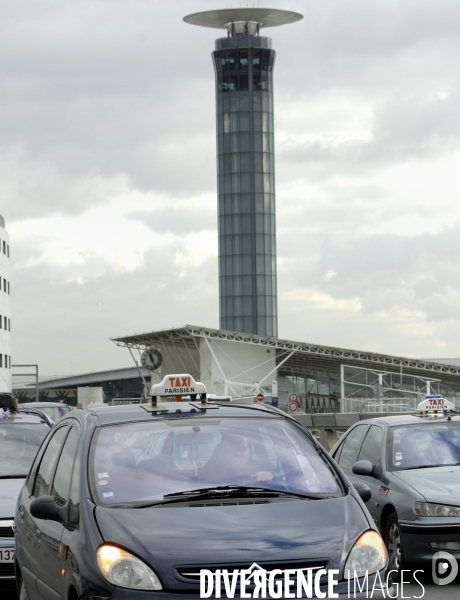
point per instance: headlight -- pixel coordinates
(427, 509)
(125, 570)
(368, 555)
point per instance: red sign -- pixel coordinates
(260, 397)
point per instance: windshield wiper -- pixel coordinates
(20, 476)
(429, 466)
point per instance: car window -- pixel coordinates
(206, 453)
(371, 449)
(61, 483)
(19, 443)
(48, 463)
(351, 446)
(424, 444)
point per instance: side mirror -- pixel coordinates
(363, 467)
(46, 507)
(363, 490)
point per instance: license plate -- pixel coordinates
(6, 556)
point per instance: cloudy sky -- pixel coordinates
(108, 179)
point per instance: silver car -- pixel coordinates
(412, 466)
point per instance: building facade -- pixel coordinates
(243, 64)
(5, 310)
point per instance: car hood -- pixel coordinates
(436, 484)
(9, 492)
(180, 534)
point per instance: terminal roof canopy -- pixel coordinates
(265, 17)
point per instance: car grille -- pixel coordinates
(191, 574)
(6, 532)
(7, 570)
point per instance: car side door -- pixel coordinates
(372, 451)
(40, 538)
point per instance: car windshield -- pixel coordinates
(145, 461)
(19, 443)
(424, 445)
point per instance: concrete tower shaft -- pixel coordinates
(243, 64)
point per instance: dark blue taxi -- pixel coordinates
(137, 502)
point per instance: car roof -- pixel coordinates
(135, 412)
(4, 420)
(41, 404)
(412, 419)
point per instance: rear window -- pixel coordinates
(143, 461)
(19, 443)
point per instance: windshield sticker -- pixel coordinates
(102, 475)
(108, 494)
(398, 456)
(103, 482)
(398, 463)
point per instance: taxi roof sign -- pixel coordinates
(434, 403)
(178, 385)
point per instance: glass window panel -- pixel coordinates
(264, 81)
(266, 162)
(244, 82)
(247, 285)
(268, 306)
(260, 283)
(238, 306)
(222, 307)
(236, 183)
(221, 223)
(269, 327)
(261, 305)
(222, 262)
(216, 62)
(228, 183)
(246, 225)
(222, 286)
(247, 264)
(228, 204)
(266, 142)
(236, 224)
(245, 122)
(48, 462)
(227, 143)
(245, 162)
(238, 286)
(221, 184)
(238, 324)
(258, 162)
(257, 138)
(265, 102)
(274, 304)
(246, 244)
(256, 59)
(247, 306)
(259, 244)
(268, 264)
(236, 266)
(258, 183)
(265, 121)
(273, 244)
(229, 286)
(232, 60)
(259, 223)
(226, 160)
(237, 244)
(234, 121)
(267, 223)
(245, 141)
(227, 122)
(236, 204)
(245, 186)
(229, 306)
(223, 61)
(228, 260)
(248, 324)
(257, 120)
(220, 143)
(244, 101)
(265, 60)
(226, 102)
(256, 82)
(243, 62)
(234, 102)
(259, 203)
(267, 244)
(271, 61)
(268, 285)
(235, 160)
(257, 101)
(246, 203)
(221, 205)
(260, 325)
(267, 187)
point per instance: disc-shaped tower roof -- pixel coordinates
(264, 17)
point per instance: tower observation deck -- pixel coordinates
(243, 64)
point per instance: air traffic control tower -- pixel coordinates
(243, 63)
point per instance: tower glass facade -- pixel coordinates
(246, 184)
